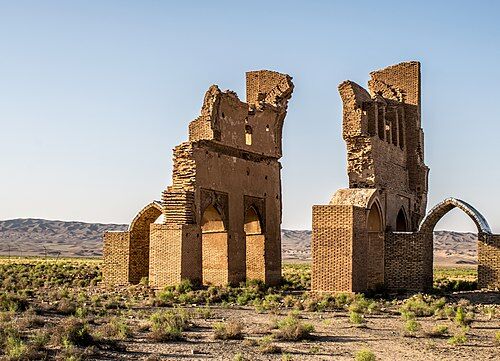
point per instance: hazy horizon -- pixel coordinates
(94, 96)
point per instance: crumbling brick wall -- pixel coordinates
(382, 162)
(230, 164)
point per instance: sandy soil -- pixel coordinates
(334, 338)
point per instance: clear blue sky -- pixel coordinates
(95, 94)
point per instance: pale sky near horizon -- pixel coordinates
(95, 94)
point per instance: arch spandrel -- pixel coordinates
(438, 212)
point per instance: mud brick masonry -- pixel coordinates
(222, 213)
(375, 233)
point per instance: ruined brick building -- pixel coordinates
(222, 213)
(376, 232)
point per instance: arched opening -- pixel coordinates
(255, 245)
(401, 221)
(211, 221)
(139, 241)
(454, 254)
(375, 248)
(214, 247)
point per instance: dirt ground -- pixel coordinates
(334, 339)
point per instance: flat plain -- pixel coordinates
(56, 309)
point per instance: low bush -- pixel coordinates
(438, 331)
(169, 325)
(422, 305)
(267, 346)
(116, 329)
(412, 327)
(72, 331)
(12, 302)
(231, 330)
(365, 355)
(291, 328)
(459, 337)
(356, 318)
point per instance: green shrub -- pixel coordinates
(422, 305)
(497, 337)
(239, 357)
(356, 318)
(116, 328)
(169, 325)
(267, 346)
(463, 318)
(438, 331)
(412, 326)
(291, 328)
(72, 331)
(459, 338)
(365, 355)
(231, 330)
(12, 302)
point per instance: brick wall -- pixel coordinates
(331, 248)
(165, 255)
(255, 261)
(215, 258)
(489, 261)
(408, 261)
(115, 268)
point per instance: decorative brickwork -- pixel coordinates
(372, 234)
(222, 213)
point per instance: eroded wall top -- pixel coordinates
(385, 141)
(254, 126)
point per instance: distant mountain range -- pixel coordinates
(39, 237)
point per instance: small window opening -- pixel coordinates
(248, 135)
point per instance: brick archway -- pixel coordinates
(139, 241)
(441, 209)
(488, 254)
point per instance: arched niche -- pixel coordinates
(211, 220)
(401, 221)
(214, 247)
(255, 245)
(374, 222)
(252, 222)
(375, 252)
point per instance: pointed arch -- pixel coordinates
(401, 221)
(211, 220)
(374, 220)
(149, 214)
(253, 223)
(438, 212)
(140, 239)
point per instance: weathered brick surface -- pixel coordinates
(229, 165)
(116, 248)
(332, 249)
(404, 261)
(489, 262)
(354, 250)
